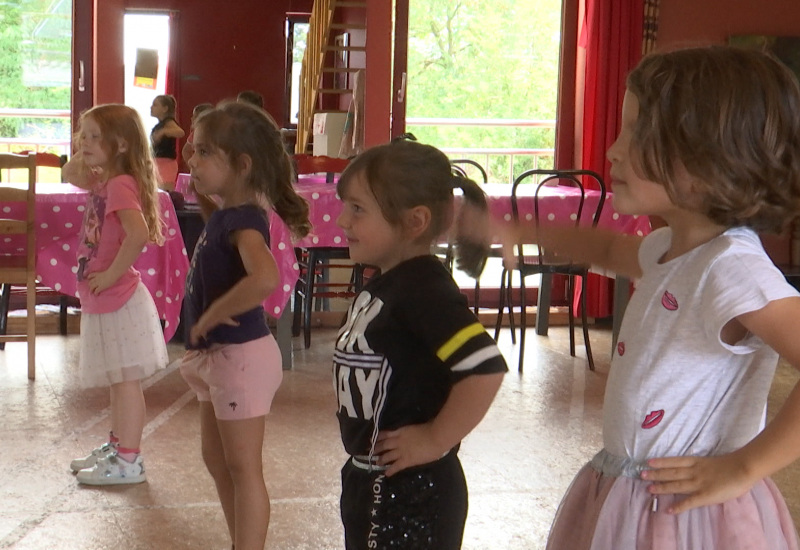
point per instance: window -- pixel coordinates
(296, 33)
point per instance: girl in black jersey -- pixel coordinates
(413, 368)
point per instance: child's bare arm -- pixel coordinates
(617, 252)
(710, 480)
(77, 173)
(611, 250)
(422, 443)
(261, 279)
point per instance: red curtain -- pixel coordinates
(612, 38)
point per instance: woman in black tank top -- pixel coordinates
(164, 139)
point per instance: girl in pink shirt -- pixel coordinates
(121, 337)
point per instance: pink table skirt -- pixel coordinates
(59, 214)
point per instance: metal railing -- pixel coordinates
(35, 144)
(483, 155)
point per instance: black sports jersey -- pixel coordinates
(409, 336)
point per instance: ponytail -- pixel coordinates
(471, 253)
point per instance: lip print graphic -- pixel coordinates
(653, 419)
(620, 348)
(669, 301)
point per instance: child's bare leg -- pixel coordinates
(128, 413)
(242, 441)
(214, 458)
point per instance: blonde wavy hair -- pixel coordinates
(120, 122)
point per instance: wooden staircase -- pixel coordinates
(318, 93)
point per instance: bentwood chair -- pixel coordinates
(541, 262)
(317, 263)
(18, 267)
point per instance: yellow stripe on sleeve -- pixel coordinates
(458, 340)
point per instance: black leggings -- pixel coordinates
(422, 508)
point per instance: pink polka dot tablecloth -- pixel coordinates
(557, 204)
(324, 207)
(59, 214)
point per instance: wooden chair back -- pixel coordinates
(309, 164)
(19, 267)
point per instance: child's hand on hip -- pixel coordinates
(205, 324)
(99, 281)
(705, 480)
(408, 446)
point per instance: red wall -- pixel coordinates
(700, 22)
(221, 50)
(692, 22)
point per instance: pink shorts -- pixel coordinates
(240, 380)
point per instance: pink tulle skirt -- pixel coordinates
(601, 512)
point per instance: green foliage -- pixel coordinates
(33, 39)
(477, 59)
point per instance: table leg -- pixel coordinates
(284, 336)
(621, 295)
(543, 304)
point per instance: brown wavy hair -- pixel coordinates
(238, 129)
(120, 122)
(731, 118)
(404, 174)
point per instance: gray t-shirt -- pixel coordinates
(675, 388)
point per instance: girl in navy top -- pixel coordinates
(233, 362)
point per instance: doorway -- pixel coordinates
(146, 57)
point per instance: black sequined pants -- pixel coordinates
(420, 508)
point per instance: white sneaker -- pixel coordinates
(113, 470)
(88, 461)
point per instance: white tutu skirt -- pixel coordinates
(601, 512)
(124, 345)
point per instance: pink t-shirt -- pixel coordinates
(101, 237)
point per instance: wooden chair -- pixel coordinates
(44, 294)
(316, 262)
(19, 268)
(541, 262)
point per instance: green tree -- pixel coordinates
(475, 59)
(33, 39)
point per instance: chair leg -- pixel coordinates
(308, 300)
(585, 325)
(501, 304)
(510, 303)
(571, 313)
(523, 321)
(297, 307)
(62, 315)
(477, 297)
(30, 321)
(5, 297)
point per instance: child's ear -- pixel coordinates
(417, 220)
(245, 163)
(122, 146)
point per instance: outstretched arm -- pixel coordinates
(417, 444)
(712, 480)
(614, 251)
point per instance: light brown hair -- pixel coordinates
(120, 122)
(731, 118)
(238, 129)
(405, 174)
(169, 102)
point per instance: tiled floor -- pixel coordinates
(542, 427)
